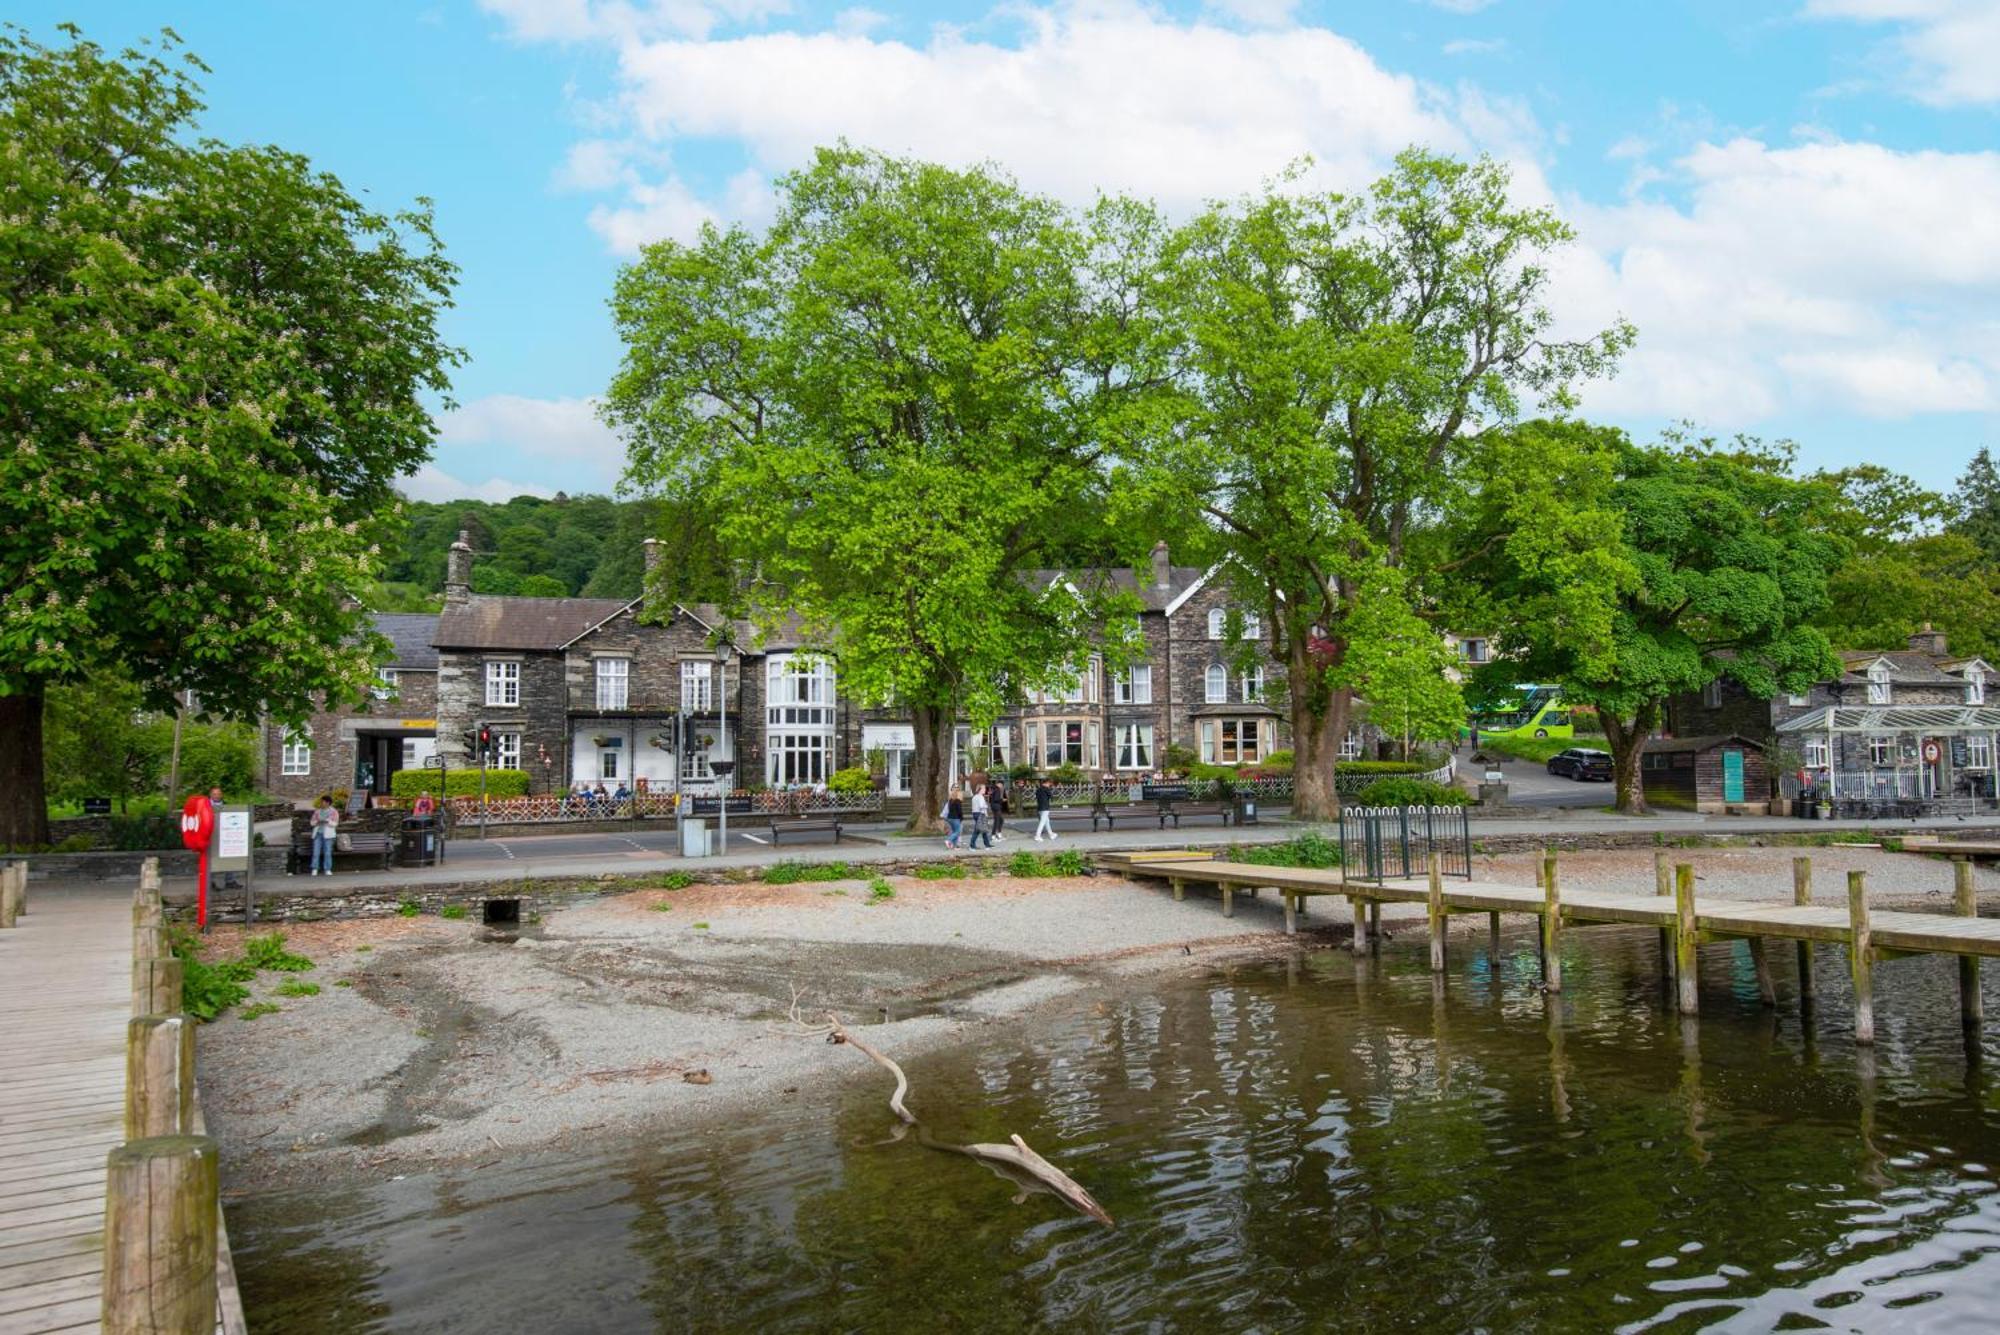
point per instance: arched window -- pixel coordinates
(1217, 684)
(1216, 617)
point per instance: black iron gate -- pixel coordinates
(1395, 843)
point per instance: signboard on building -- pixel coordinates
(888, 737)
(1959, 753)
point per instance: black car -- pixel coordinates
(1582, 763)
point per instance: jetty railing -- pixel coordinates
(1395, 843)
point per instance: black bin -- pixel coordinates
(418, 846)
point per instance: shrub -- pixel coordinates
(268, 952)
(790, 873)
(1308, 850)
(75, 843)
(880, 889)
(1279, 762)
(1411, 793)
(407, 907)
(855, 779)
(408, 783)
(453, 911)
(1022, 773)
(673, 880)
(1024, 863)
(136, 834)
(1067, 772)
(1178, 757)
(1385, 767)
(1069, 862)
(207, 990)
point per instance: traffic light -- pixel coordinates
(470, 741)
(485, 740)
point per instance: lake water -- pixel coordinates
(1300, 1144)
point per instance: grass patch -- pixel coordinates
(407, 907)
(671, 880)
(268, 952)
(662, 906)
(297, 987)
(363, 950)
(1307, 850)
(701, 927)
(259, 1010)
(791, 873)
(1538, 749)
(879, 889)
(344, 982)
(210, 988)
(1028, 865)
(939, 871)
(453, 911)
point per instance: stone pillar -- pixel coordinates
(652, 552)
(458, 570)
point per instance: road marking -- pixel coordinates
(504, 849)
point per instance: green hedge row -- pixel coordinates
(408, 783)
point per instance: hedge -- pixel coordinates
(459, 783)
(1411, 793)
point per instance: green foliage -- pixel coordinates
(662, 906)
(75, 843)
(790, 873)
(1069, 862)
(408, 783)
(1280, 760)
(1024, 864)
(258, 1010)
(1902, 570)
(1537, 749)
(894, 403)
(1178, 757)
(1067, 772)
(343, 982)
(672, 880)
(1307, 850)
(452, 911)
(939, 871)
(207, 990)
(268, 952)
(297, 987)
(100, 740)
(1411, 793)
(855, 779)
(408, 907)
(1385, 767)
(879, 889)
(700, 926)
(219, 363)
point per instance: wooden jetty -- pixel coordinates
(1867, 936)
(86, 1082)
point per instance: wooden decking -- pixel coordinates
(65, 995)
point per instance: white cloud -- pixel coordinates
(1468, 46)
(431, 483)
(1948, 52)
(561, 431)
(858, 21)
(1462, 6)
(1256, 13)
(583, 20)
(1842, 276)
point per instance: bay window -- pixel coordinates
(1231, 741)
(798, 721)
(1065, 741)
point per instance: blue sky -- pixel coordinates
(1797, 203)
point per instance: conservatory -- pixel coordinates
(1902, 760)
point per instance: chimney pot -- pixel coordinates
(1162, 566)
(458, 570)
(1928, 641)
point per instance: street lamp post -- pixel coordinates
(724, 651)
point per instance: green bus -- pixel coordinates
(1533, 711)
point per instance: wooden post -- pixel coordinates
(1291, 912)
(149, 877)
(1860, 958)
(1552, 965)
(1228, 901)
(149, 942)
(1965, 898)
(1374, 926)
(1180, 889)
(147, 911)
(10, 908)
(15, 881)
(1663, 886)
(156, 986)
(1542, 937)
(1493, 934)
(1802, 895)
(159, 1076)
(1684, 940)
(1767, 991)
(160, 1209)
(1360, 925)
(1435, 903)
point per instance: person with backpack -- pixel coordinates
(1045, 798)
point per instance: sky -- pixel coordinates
(1797, 203)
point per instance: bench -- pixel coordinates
(1179, 811)
(371, 850)
(800, 827)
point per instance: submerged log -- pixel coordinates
(1016, 1161)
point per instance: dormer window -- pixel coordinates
(1878, 684)
(1975, 687)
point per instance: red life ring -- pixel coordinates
(197, 822)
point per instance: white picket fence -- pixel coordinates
(569, 808)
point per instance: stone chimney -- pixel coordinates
(458, 570)
(652, 551)
(1162, 567)
(1928, 641)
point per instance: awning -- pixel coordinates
(1935, 720)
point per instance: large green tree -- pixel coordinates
(891, 404)
(1630, 575)
(1908, 564)
(216, 358)
(1331, 361)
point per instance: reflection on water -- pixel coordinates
(1296, 1145)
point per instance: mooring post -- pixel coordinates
(159, 1076)
(1663, 886)
(10, 908)
(149, 879)
(1291, 912)
(1360, 925)
(1767, 991)
(1860, 957)
(1374, 926)
(1493, 934)
(156, 985)
(1228, 901)
(1802, 896)
(1542, 937)
(1965, 898)
(1180, 889)
(1434, 900)
(1684, 940)
(1552, 965)
(160, 1204)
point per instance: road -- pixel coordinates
(1529, 784)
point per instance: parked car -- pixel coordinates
(1582, 763)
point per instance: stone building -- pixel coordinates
(396, 728)
(1900, 725)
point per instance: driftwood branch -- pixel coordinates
(1014, 1161)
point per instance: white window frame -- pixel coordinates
(1797, 699)
(385, 684)
(1252, 685)
(1223, 741)
(1978, 751)
(506, 750)
(295, 757)
(1975, 688)
(1054, 748)
(1350, 745)
(1133, 686)
(1711, 694)
(614, 683)
(798, 720)
(1879, 690)
(1253, 626)
(697, 685)
(1215, 685)
(694, 765)
(607, 763)
(1473, 650)
(1218, 622)
(1817, 753)
(1881, 751)
(1134, 745)
(503, 683)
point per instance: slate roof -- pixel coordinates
(488, 621)
(1153, 597)
(1905, 665)
(1709, 743)
(414, 634)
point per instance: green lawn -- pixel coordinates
(1538, 749)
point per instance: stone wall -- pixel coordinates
(332, 734)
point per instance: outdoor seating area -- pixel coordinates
(1894, 761)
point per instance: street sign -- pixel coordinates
(97, 806)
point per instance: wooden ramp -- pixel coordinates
(65, 995)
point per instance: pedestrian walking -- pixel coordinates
(998, 802)
(953, 816)
(982, 817)
(1045, 797)
(325, 827)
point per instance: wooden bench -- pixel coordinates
(800, 827)
(1179, 811)
(1092, 816)
(372, 851)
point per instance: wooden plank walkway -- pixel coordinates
(65, 997)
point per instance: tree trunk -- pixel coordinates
(1628, 744)
(930, 780)
(24, 810)
(1315, 747)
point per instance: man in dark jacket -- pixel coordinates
(1045, 797)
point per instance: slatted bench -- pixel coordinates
(1072, 817)
(372, 851)
(804, 827)
(1179, 811)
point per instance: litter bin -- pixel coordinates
(694, 837)
(418, 846)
